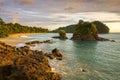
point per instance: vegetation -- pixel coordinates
(10, 28)
(102, 28)
(62, 34)
(85, 31)
(85, 28)
(68, 29)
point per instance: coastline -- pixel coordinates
(14, 39)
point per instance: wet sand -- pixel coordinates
(14, 39)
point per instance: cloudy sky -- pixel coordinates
(56, 13)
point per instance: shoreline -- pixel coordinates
(14, 39)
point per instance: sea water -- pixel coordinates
(84, 60)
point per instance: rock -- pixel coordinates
(102, 39)
(62, 35)
(48, 41)
(112, 40)
(24, 64)
(55, 54)
(83, 70)
(57, 37)
(38, 42)
(86, 31)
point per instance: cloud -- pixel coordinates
(69, 8)
(23, 2)
(1, 3)
(57, 13)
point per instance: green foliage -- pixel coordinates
(102, 28)
(10, 28)
(68, 29)
(3, 33)
(85, 28)
(1, 21)
(62, 33)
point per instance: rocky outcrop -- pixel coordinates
(86, 31)
(62, 35)
(24, 64)
(55, 54)
(39, 42)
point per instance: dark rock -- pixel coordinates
(55, 54)
(83, 70)
(38, 42)
(112, 40)
(47, 41)
(56, 37)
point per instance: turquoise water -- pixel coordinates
(100, 60)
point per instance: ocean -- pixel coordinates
(100, 60)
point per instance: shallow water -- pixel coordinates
(100, 60)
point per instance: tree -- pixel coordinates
(85, 31)
(102, 28)
(10, 28)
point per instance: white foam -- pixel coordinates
(24, 36)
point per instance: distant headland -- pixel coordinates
(101, 27)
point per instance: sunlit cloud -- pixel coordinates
(69, 8)
(23, 2)
(57, 13)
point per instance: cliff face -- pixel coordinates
(85, 31)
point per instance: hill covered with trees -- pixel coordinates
(10, 28)
(102, 28)
(86, 31)
(68, 29)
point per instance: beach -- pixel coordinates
(14, 39)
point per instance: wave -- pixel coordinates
(24, 36)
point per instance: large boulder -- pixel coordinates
(55, 54)
(62, 35)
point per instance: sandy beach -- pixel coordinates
(14, 39)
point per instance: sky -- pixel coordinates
(52, 14)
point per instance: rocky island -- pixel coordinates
(101, 27)
(86, 31)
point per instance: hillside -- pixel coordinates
(10, 28)
(68, 29)
(101, 27)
